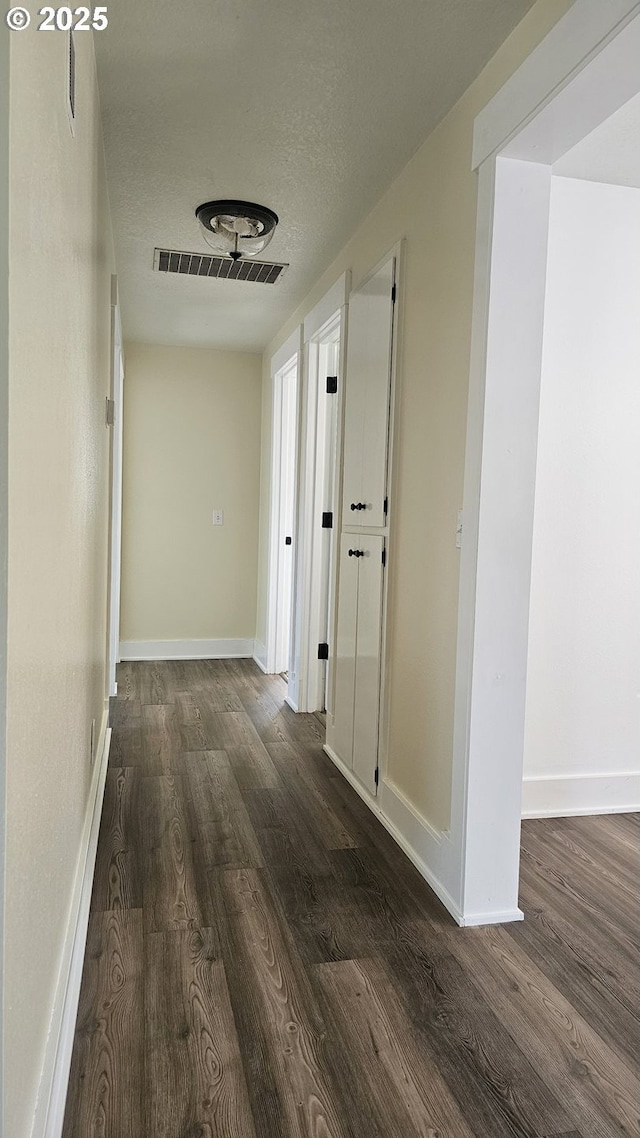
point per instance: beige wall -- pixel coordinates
(191, 443)
(4, 489)
(59, 371)
(432, 204)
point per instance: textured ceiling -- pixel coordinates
(611, 153)
(311, 108)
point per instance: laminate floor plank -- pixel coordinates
(591, 860)
(560, 894)
(319, 915)
(285, 837)
(264, 961)
(615, 846)
(126, 733)
(227, 729)
(195, 1080)
(106, 1085)
(253, 767)
(215, 803)
(152, 682)
(500, 1092)
(547, 1029)
(309, 799)
(605, 993)
(612, 905)
(294, 1030)
(193, 735)
(381, 1056)
(171, 896)
(117, 879)
(161, 740)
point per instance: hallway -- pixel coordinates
(264, 962)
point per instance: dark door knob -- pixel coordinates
(358, 505)
(356, 553)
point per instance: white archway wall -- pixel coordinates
(502, 424)
(582, 734)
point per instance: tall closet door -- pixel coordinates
(367, 393)
(344, 657)
(354, 735)
(368, 660)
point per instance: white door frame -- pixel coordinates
(327, 318)
(290, 354)
(583, 71)
(115, 528)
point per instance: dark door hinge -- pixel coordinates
(327, 519)
(386, 507)
(393, 294)
(384, 556)
(323, 651)
(376, 777)
(110, 413)
(288, 541)
(332, 384)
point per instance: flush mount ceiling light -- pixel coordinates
(236, 229)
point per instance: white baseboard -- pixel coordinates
(409, 830)
(186, 649)
(260, 655)
(494, 917)
(560, 796)
(52, 1092)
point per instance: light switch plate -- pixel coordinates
(459, 531)
(218, 517)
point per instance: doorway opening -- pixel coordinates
(318, 516)
(283, 513)
(586, 70)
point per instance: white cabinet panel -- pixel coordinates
(340, 736)
(367, 393)
(354, 734)
(368, 644)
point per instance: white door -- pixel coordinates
(367, 394)
(327, 504)
(367, 662)
(340, 730)
(354, 737)
(288, 382)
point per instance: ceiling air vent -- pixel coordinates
(224, 268)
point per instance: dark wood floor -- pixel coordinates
(264, 962)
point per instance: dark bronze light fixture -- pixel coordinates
(236, 229)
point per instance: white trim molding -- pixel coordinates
(577, 37)
(52, 1092)
(187, 649)
(285, 353)
(260, 654)
(333, 300)
(561, 796)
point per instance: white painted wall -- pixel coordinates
(582, 734)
